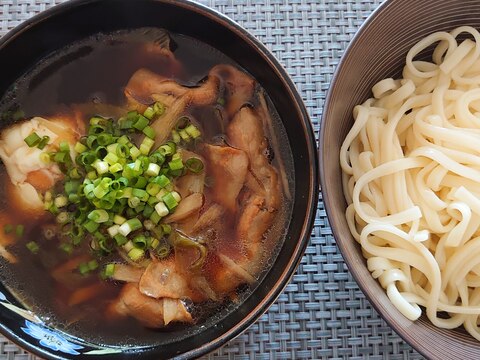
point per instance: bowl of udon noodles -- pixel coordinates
(158, 180)
(400, 170)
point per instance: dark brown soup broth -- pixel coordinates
(93, 74)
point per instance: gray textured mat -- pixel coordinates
(322, 314)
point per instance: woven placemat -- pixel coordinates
(322, 314)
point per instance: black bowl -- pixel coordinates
(68, 23)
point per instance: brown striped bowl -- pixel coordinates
(378, 51)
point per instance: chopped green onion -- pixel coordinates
(109, 270)
(183, 134)
(156, 158)
(92, 141)
(148, 224)
(134, 152)
(33, 247)
(45, 158)
(132, 115)
(7, 228)
(146, 145)
(152, 200)
(176, 164)
(115, 168)
(170, 201)
(111, 158)
(44, 142)
(87, 158)
(161, 194)
(147, 210)
(118, 219)
(139, 193)
(68, 248)
(92, 175)
(19, 230)
(61, 201)
(166, 228)
(120, 239)
(155, 217)
(95, 120)
(80, 148)
(140, 242)
(134, 201)
(122, 151)
(181, 241)
(166, 150)
(141, 122)
(105, 139)
(128, 246)
(159, 108)
(63, 217)
(176, 196)
(105, 244)
(100, 152)
(127, 193)
(153, 169)
(136, 254)
(193, 131)
(100, 191)
(154, 243)
(123, 140)
(91, 226)
(176, 136)
(33, 139)
(60, 157)
(182, 123)
(126, 124)
(96, 130)
(161, 180)
(149, 112)
(98, 216)
(163, 250)
(195, 165)
(148, 131)
(83, 268)
(100, 166)
(129, 226)
(92, 264)
(162, 209)
(75, 174)
(64, 146)
(153, 189)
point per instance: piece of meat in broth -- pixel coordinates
(239, 87)
(146, 86)
(228, 167)
(246, 132)
(29, 176)
(162, 279)
(151, 312)
(263, 197)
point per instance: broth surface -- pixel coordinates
(91, 76)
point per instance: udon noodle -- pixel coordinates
(411, 178)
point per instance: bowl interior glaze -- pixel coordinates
(66, 24)
(378, 51)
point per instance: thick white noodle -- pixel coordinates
(411, 178)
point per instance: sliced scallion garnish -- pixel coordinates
(33, 139)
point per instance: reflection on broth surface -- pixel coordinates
(145, 189)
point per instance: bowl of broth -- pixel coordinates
(159, 180)
(398, 170)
